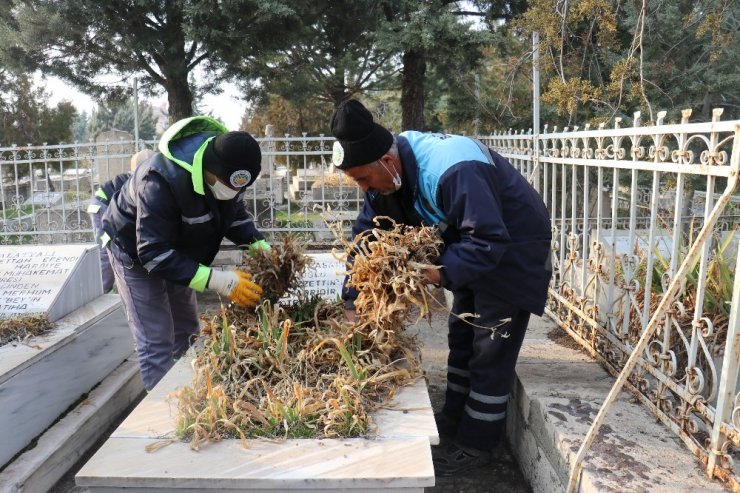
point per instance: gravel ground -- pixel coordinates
(502, 475)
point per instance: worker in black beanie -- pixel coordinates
(497, 236)
(164, 227)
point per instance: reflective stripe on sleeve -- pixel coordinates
(239, 223)
(197, 220)
(153, 263)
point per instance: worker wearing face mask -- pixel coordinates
(164, 227)
(496, 260)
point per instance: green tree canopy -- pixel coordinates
(26, 116)
(602, 58)
(331, 55)
(435, 34)
(80, 40)
(120, 116)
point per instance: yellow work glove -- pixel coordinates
(235, 285)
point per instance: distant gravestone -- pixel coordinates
(661, 242)
(50, 279)
(45, 199)
(113, 150)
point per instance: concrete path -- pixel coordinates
(558, 392)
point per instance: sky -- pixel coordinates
(226, 107)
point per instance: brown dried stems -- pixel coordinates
(300, 370)
(278, 270)
(19, 329)
(388, 271)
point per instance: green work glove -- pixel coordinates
(256, 246)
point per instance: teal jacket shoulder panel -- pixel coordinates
(435, 154)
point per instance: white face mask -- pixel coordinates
(222, 192)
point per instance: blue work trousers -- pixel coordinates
(480, 365)
(163, 317)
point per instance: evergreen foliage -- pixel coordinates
(438, 65)
(120, 116)
(82, 40)
(605, 58)
(25, 114)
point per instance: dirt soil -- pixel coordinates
(502, 475)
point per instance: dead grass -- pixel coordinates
(301, 370)
(20, 329)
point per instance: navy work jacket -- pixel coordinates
(495, 226)
(157, 219)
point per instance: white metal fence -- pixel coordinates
(645, 251)
(44, 190)
(630, 207)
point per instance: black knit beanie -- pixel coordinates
(234, 157)
(360, 140)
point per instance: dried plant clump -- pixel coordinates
(19, 329)
(280, 269)
(276, 377)
(301, 370)
(388, 271)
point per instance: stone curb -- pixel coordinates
(557, 393)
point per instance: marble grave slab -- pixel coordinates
(397, 458)
(41, 377)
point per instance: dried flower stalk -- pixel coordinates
(280, 269)
(388, 272)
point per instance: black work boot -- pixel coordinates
(454, 459)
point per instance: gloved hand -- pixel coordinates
(257, 245)
(235, 285)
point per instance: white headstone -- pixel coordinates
(661, 241)
(51, 279)
(324, 278)
(45, 199)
